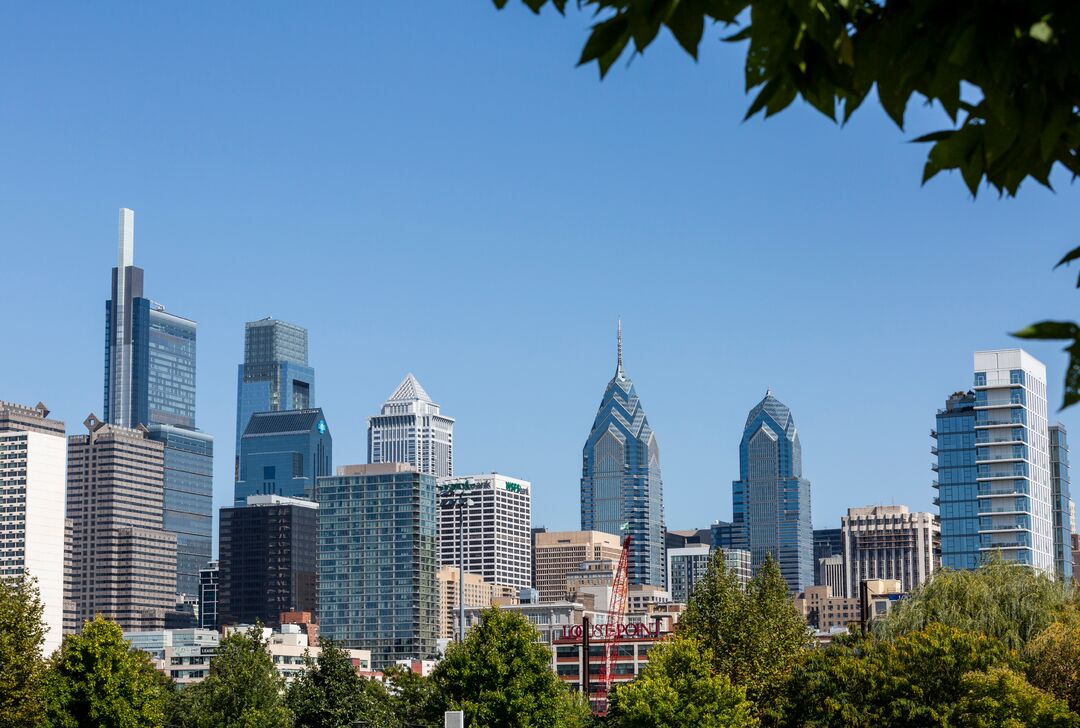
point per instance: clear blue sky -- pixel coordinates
(436, 188)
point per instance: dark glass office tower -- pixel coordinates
(620, 478)
(1059, 482)
(771, 499)
(282, 453)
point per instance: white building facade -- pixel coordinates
(888, 542)
(497, 519)
(410, 428)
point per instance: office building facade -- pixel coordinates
(495, 512)
(1062, 501)
(771, 499)
(33, 468)
(123, 559)
(477, 592)
(621, 484)
(558, 553)
(378, 556)
(410, 428)
(283, 453)
(208, 595)
(888, 542)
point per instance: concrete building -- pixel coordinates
(557, 553)
(410, 428)
(496, 514)
(888, 542)
(268, 560)
(831, 574)
(685, 567)
(33, 455)
(123, 559)
(477, 594)
(825, 611)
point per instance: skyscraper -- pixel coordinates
(620, 478)
(1062, 501)
(282, 453)
(410, 428)
(275, 374)
(957, 491)
(123, 560)
(33, 452)
(771, 499)
(378, 552)
(888, 542)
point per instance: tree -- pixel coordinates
(1001, 698)
(22, 668)
(95, 678)
(1053, 661)
(1006, 74)
(679, 688)
(414, 699)
(329, 693)
(500, 676)
(243, 689)
(754, 637)
(1008, 602)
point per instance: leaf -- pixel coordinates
(1042, 31)
(606, 43)
(687, 24)
(1069, 258)
(1052, 330)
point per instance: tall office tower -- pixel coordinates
(888, 542)
(378, 549)
(411, 429)
(282, 453)
(1062, 501)
(149, 353)
(208, 591)
(495, 513)
(123, 560)
(189, 495)
(723, 536)
(958, 505)
(620, 478)
(1012, 457)
(532, 550)
(267, 560)
(557, 553)
(275, 374)
(771, 499)
(33, 452)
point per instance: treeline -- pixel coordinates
(995, 647)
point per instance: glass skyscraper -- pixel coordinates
(282, 453)
(620, 478)
(957, 490)
(1059, 480)
(275, 374)
(771, 499)
(378, 550)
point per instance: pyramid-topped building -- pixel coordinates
(410, 428)
(621, 486)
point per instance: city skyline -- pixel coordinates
(881, 297)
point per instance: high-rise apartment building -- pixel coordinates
(621, 486)
(958, 504)
(495, 513)
(888, 542)
(378, 555)
(267, 560)
(1062, 501)
(558, 553)
(283, 453)
(771, 499)
(123, 560)
(275, 374)
(410, 428)
(33, 459)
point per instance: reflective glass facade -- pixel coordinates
(957, 489)
(620, 479)
(170, 374)
(771, 499)
(189, 494)
(1059, 480)
(377, 562)
(275, 374)
(282, 453)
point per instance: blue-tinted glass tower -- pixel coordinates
(771, 499)
(275, 374)
(957, 489)
(620, 478)
(282, 453)
(1059, 480)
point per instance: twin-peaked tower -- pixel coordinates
(621, 487)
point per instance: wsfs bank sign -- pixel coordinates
(609, 631)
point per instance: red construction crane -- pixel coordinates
(615, 629)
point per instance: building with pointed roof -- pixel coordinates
(410, 428)
(282, 453)
(771, 499)
(621, 486)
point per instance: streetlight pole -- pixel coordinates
(461, 568)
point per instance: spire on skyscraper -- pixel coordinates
(618, 365)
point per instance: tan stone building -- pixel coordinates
(825, 612)
(558, 553)
(123, 561)
(478, 593)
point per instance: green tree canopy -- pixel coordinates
(679, 688)
(243, 689)
(1001, 698)
(501, 676)
(22, 668)
(754, 636)
(329, 693)
(1008, 602)
(96, 679)
(414, 699)
(1053, 660)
